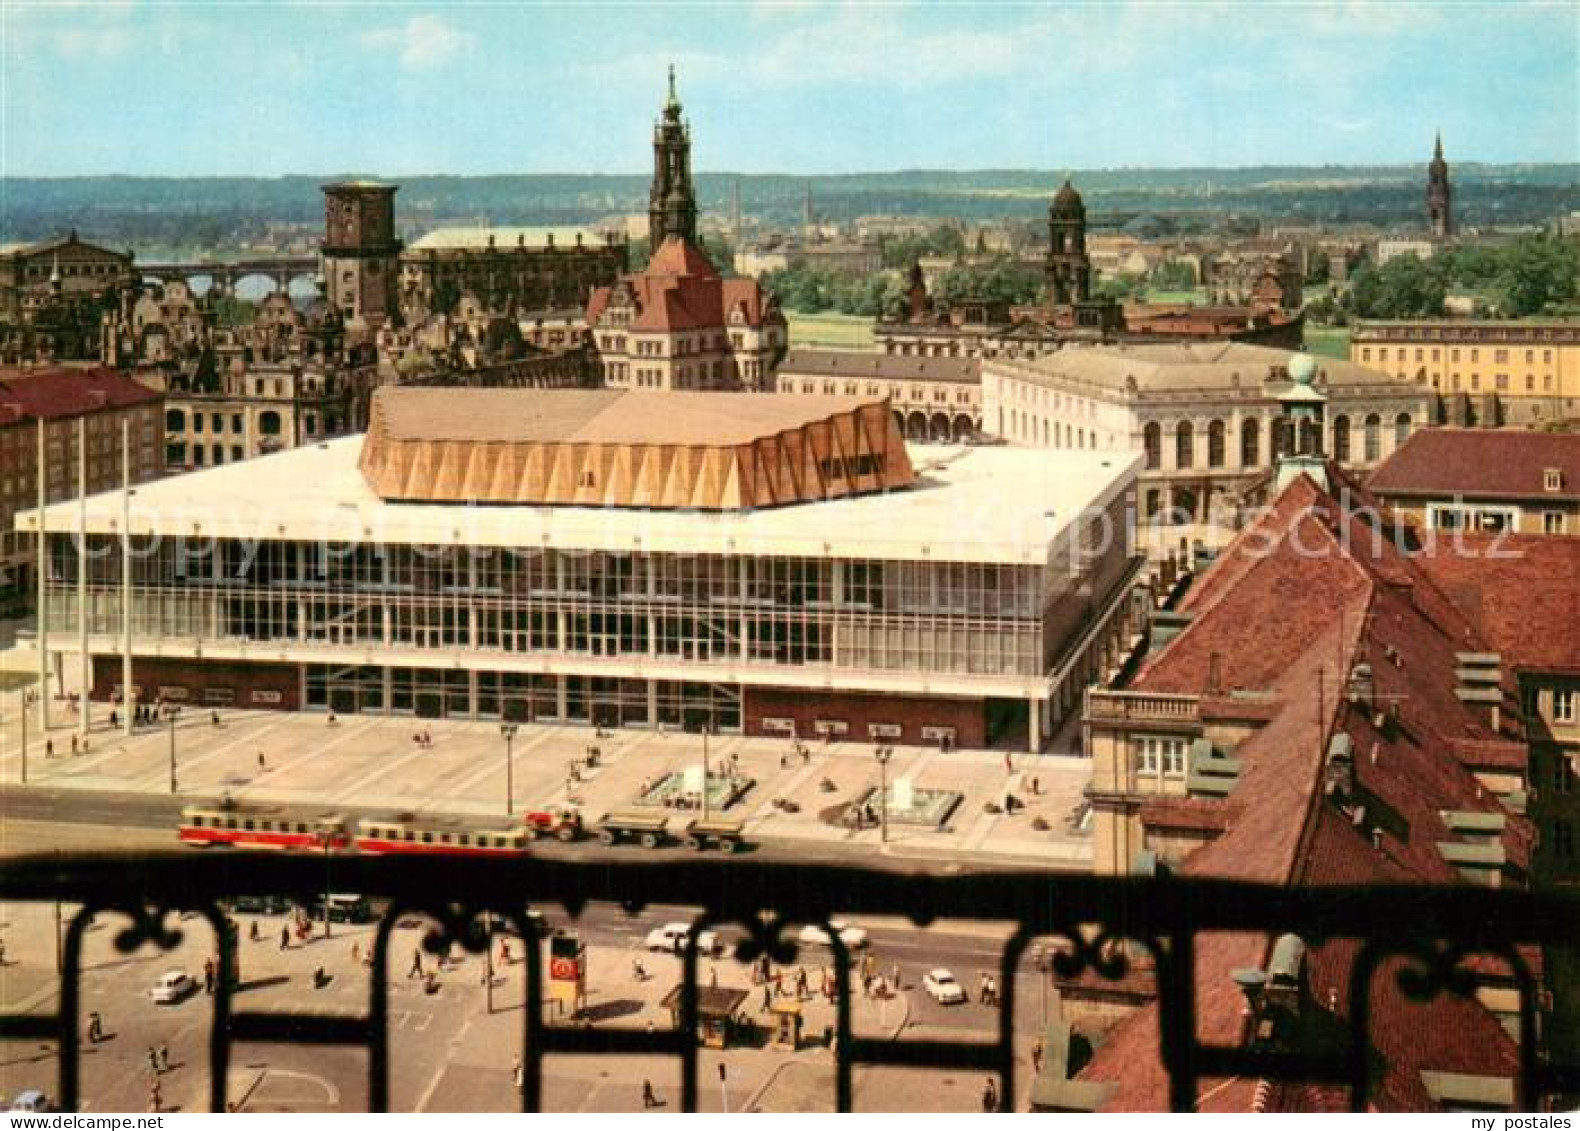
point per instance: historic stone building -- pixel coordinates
(672, 202)
(678, 324)
(1325, 710)
(933, 398)
(1206, 416)
(1503, 480)
(1487, 373)
(58, 299)
(1069, 269)
(360, 250)
(481, 273)
(1439, 195)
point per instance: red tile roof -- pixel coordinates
(1480, 463)
(680, 290)
(63, 393)
(1520, 590)
(1291, 607)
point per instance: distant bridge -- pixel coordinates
(281, 270)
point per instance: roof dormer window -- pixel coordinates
(1552, 479)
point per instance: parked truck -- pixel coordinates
(715, 832)
(647, 830)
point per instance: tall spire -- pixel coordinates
(1439, 194)
(672, 202)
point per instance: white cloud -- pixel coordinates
(423, 43)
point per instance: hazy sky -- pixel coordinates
(396, 89)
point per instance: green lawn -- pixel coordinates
(841, 331)
(1196, 297)
(1328, 341)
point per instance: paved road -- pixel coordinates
(160, 813)
(449, 1052)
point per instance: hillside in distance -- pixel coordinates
(216, 212)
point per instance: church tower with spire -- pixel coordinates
(672, 203)
(1439, 196)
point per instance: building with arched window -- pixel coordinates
(1205, 416)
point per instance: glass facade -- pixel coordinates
(872, 615)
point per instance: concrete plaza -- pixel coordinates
(376, 763)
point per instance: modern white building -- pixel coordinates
(955, 594)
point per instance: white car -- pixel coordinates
(854, 938)
(673, 937)
(942, 986)
(173, 986)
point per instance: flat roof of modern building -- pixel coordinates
(599, 416)
(969, 504)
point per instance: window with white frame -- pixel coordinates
(1159, 755)
(1563, 706)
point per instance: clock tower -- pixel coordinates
(360, 251)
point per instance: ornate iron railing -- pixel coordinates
(1435, 929)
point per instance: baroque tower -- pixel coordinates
(360, 251)
(1069, 268)
(672, 203)
(1439, 196)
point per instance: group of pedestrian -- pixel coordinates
(423, 739)
(987, 990)
(159, 1059)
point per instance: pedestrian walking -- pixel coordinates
(164, 1058)
(800, 983)
(1009, 763)
(504, 952)
(713, 977)
(153, 1060)
(49, 748)
(768, 996)
(989, 1097)
(74, 746)
(114, 719)
(252, 930)
(262, 763)
(517, 1076)
(95, 1028)
(214, 718)
(648, 1098)
(156, 1097)
(285, 937)
(356, 953)
(208, 975)
(1036, 1056)
(416, 964)
(895, 972)
(982, 988)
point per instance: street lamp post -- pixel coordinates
(883, 753)
(509, 731)
(328, 837)
(27, 703)
(170, 713)
(704, 771)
